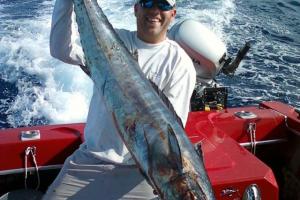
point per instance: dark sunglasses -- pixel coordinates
(161, 4)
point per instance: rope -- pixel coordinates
(252, 133)
(31, 151)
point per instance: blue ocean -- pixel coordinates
(37, 89)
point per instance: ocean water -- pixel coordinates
(38, 89)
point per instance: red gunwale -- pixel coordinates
(228, 164)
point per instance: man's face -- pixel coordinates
(153, 23)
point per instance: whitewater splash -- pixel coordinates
(46, 90)
(38, 89)
(49, 91)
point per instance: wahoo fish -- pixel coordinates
(150, 131)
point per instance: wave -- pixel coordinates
(43, 90)
(38, 89)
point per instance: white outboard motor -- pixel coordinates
(209, 56)
(202, 45)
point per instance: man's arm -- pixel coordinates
(63, 35)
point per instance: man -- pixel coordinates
(102, 168)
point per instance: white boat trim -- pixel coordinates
(264, 142)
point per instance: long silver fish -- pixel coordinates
(150, 131)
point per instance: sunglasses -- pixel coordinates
(161, 4)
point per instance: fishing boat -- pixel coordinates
(249, 153)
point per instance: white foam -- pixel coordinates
(214, 14)
(56, 91)
(62, 92)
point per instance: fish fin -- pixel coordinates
(167, 102)
(198, 148)
(156, 189)
(85, 70)
(175, 151)
(136, 161)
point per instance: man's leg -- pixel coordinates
(85, 177)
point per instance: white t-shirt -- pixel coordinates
(166, 64)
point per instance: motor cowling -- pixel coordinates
(202, 45)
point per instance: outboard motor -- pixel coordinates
(210, 57)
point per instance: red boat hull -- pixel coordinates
(231, 167)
